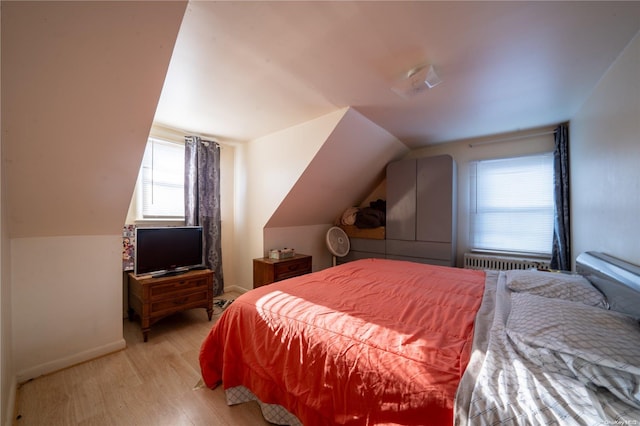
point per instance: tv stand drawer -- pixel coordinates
(178, 303)
(175, 288)
(151, 299)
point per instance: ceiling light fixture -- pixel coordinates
(417, 81)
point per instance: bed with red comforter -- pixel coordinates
(368, 342)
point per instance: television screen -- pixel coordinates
(161, 251)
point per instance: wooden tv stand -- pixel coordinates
(155, 298)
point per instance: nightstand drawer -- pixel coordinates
(267, 271)
(291, 269)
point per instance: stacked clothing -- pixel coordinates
(366, 217)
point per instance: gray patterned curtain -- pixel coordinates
(202, 200)
(561, 251)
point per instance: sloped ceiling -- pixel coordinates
(348, 166)
(80, 83)
(242, 70)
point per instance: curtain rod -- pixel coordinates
(158, 130)
(204, 141)
(513, 138)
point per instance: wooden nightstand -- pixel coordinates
(267, 271)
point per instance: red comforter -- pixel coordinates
(368, 342)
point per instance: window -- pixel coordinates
(511, 205)
(162, 178)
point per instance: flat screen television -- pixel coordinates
(168, 250)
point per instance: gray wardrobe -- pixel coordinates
(421, 214)
(421, 210)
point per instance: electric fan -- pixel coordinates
(337, 242)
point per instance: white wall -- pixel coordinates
(66, 301)
(267, 168)
(308, 239)
(515, 144)
(605, 160)
(8, 379)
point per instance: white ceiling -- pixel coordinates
(241, 70)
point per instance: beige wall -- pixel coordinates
(82, 80)
(513, 145)
(605, 160)
(7, 376)
(266, 169)
(65, 307)
(605, 153)
(80, 84)
(308, 239)
(8, 380)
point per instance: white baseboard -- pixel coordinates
(236, 289)
(10, 409)
(59, 364)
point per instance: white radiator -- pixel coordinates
(502, 263)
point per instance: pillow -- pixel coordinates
(557, 285)
(597, 347)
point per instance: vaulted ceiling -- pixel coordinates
(241, 70)
(80, 83)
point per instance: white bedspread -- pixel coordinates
(503, 386)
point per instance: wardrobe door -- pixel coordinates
(434, 199)
(401, 200)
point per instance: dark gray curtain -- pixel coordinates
(202, 200)
(561, 251)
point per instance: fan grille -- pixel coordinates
(338, 241)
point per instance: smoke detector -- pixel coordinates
(417, 81)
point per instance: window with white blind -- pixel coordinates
(163, 180)
(511, 205)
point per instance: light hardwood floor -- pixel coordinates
(146, 384)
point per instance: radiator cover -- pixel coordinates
(502, 262)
